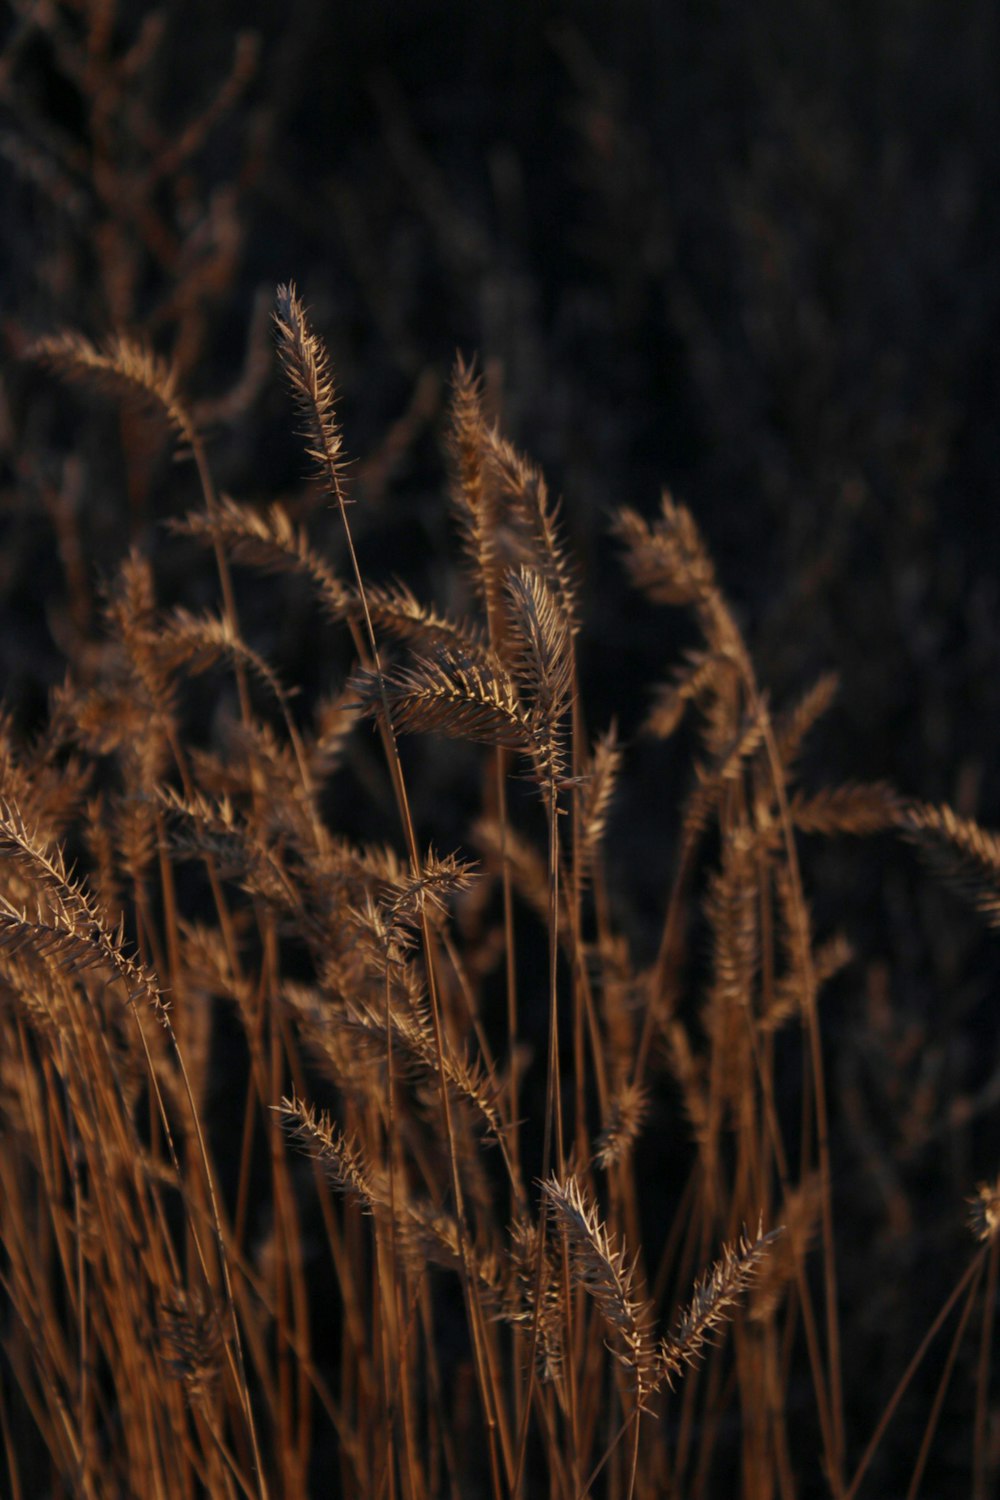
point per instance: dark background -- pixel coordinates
(746, 252)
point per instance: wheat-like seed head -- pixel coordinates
(966, 854)
(462, 695)
(123, 365)
(716, 1296)
(190, 1340)
(603, 1270)
(307, 366)
(338, 1154)
(627, 1115)
(270, 541)
(473, 486)
(984, 1210)
(856, 808)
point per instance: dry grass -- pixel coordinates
(420, 1269)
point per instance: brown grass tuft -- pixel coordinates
(358, 1204)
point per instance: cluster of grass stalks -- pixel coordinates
(318, 1159)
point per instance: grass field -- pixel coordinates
(485, 1008)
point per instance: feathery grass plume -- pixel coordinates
(60, 782)
(599, 777)
(725, 707)
(67, 951)
(271, 542)
(330, 1043)
(190, 1338)
(520, 1305)
(604, 1272)
(114, 715)
(75, 933)
(740, 746)
(398, 613)
(71, 951)
(383, 948)
(135, 837)
(731, 907)
(40, 987)
(622, 995)
(786, 1001)
(340, 1157)
(688, 1071)
(307, 366)
(408, 897)
(697, 682)
(413, 1039)
(459, 694)
(627, 1114)
(200, 642)
(716, 1296)
(324, 973)
(530, 533)
(139, 676)
(99, 840)
(799, 1216)
(124, 366)
(964, 854)
(538, 652)
(254, 761)
(339, 879)
(334, 716)
(984, 1210)
(429, 1235)
(209, 964)
(45, 777)
(856, 808)
(799, 979)
(792, 727)
(200, 825)
(732, 910)
(712, 781)
(669, 562)
(473, 485)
